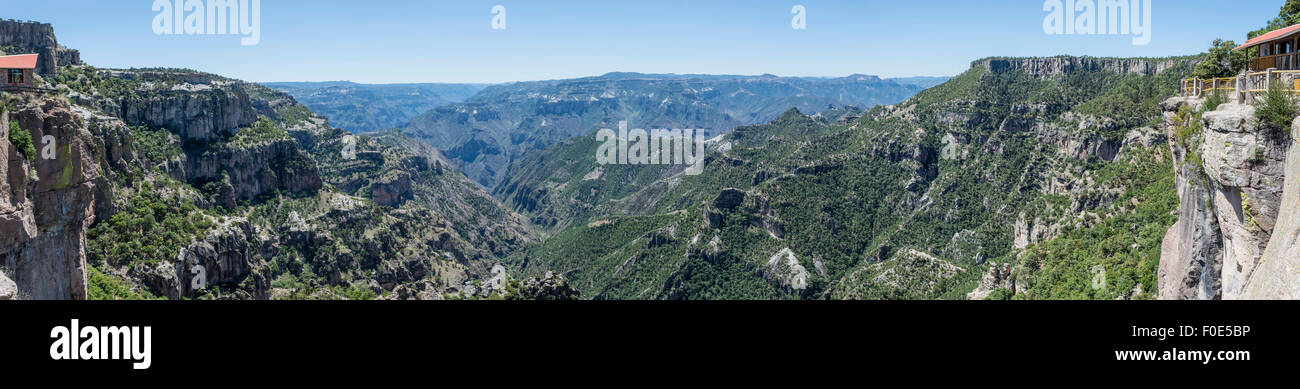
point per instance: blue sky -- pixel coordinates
(390, 41)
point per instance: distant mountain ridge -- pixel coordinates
(924, 82)
(362, 108)
(499, 125)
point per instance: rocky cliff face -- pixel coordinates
(1052, 66)
(1278, 273)
(1231, 172)
(44, 216)
(18, 37)
(197, 106)
(250, 170)
(229, 255)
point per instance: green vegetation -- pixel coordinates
(262, 131)
(540, 289)
(1126, 245)
(1257, 156)
(1131, 99)
(1188, 128)
(1213, 100)
(149, 228)
(1001, 294)
(22, 140)
(294, 115)
(1278, 108)
(155, 145)
(89, 80)
(1222, 60)
(359, 293)
(102, 286)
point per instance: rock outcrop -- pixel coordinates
(785, 270)
(1230, 174)
(251, 170)
(37, 38)
(229, 255)
(43, 217)
(549, 287)
(999, 276)
(729, 198)
(392, 189)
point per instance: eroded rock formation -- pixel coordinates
(47, 201)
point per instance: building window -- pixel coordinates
(16, 76)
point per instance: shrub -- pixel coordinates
(21, 139)
(1278, 108)
(1213, 101)
(1187, 129)
(1000, 294)
(100, 286)
(1187, 125)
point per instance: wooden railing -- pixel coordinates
(1258, 82)
(1250, 84)
(1279, 61)
(1200, 87)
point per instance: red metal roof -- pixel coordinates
(1271, 35)
(26, 61)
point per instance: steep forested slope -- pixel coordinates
(1016, 178)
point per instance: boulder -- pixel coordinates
(784, 269)
(8, 289)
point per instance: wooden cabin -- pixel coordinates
(1277, 50)
(18, 70)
